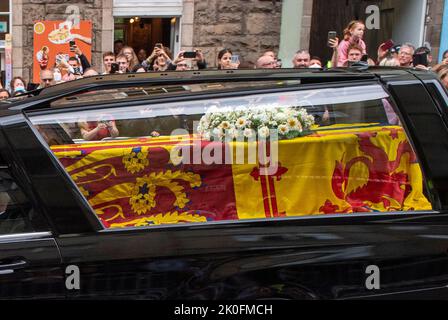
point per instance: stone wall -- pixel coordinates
(306, 24)
(25, 12)
(247, 27)
(434, 25)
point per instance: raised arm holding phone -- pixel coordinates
(98, 130)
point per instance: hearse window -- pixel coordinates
(16, 212)
(259, 156)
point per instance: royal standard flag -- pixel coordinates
(140, 182)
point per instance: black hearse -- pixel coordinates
(358, 207)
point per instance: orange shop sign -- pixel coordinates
(53, 37)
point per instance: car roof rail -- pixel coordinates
(359, 66)
(102, 82)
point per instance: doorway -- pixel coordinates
(144, 32)
(400, 20)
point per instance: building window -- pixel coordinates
(5, 20)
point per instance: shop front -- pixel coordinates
(142, 24)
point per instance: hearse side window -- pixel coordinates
(16, 213)
(259, 156)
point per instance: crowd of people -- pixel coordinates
(348, 51)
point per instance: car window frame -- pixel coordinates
(309, 219)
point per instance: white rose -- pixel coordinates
(217, 132)
(248, 133)
(207, 136)
(263, 132)
(281, 117)
(232, 133)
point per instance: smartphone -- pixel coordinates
(158, 45)
(72, 44)
(114, 68)
(190, 54)
(420, 59)
(365, 58)
(389, 44)
(77, 71)
(332, 36)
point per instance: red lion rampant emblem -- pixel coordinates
(383, 185)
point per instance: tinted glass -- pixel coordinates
(258, 156)
(16, 212)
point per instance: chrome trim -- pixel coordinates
(25, 236)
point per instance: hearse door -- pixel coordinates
(30, 267)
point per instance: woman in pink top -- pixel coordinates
(353, 34)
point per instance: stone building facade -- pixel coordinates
(434, 24)
(25, 12)
(248, 27)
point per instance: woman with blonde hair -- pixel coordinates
(353, 35)
(130, 56)
(443, 76)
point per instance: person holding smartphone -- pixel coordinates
(154, 63)
(200, 59)
(185, 59)
(333, 42)
(384, 50)
(353, 35)
(123, 64)
(83, 61)
(108, 61)
(227, 60)
(98, 130)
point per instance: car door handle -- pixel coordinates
(8, 268)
